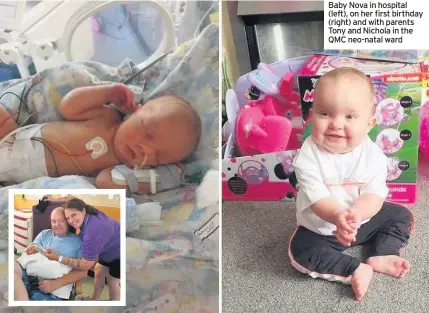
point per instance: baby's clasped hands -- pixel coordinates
(348, 223)
(122, 97)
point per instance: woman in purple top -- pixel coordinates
(100, 237)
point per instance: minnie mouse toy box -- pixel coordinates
(263, 132)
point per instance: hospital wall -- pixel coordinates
(110, 207)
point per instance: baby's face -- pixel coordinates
(342, 114)
(158, 133)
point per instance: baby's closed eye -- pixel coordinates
(150, 135)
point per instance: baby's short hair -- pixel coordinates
(194, 123)
(348, 73)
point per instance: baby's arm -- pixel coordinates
(314, 193)
(7, 122)
(367, 205)
(330, 210)
(373, 194)
(86, 103)
(327, 209)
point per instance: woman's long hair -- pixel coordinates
(79, 205)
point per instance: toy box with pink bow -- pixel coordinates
(398, 98)
(263, 132)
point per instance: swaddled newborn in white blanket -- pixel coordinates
(41, 267)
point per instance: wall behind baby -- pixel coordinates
(109, 204)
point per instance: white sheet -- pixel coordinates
(40, 266)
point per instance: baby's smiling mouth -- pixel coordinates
(334, 136)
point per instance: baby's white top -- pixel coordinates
(345, 177)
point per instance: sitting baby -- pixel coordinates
(95, 138)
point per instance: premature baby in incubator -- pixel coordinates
(96, 137)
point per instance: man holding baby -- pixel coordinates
(59, 239)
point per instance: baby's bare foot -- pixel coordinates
(392, 265)
(360, 280)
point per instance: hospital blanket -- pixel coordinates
(166, 259)
(37, 98)
(192, 73)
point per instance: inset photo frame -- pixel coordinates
(67, 245)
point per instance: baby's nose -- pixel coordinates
(337, 123)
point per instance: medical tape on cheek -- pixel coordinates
(143, 162)
(98, 147)
(152, 175)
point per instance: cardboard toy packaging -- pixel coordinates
(264, 177)
(425, 82)
(398, 98)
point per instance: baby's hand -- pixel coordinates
(353, 218)
(31, 250)
(346, 228)
(122, 97)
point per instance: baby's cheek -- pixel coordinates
(135, 135)
(318, 128)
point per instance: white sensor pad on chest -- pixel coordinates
(98, 147)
